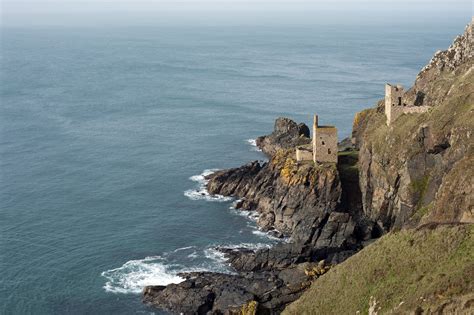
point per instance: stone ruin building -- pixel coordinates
(396, 103)
(323, 148)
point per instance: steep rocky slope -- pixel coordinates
(421, 167)
(415, 176)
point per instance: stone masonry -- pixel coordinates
(396, 104)
(324, 145)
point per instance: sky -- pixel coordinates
(210, 12)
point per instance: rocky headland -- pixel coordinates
(414, 176)
(303, 202)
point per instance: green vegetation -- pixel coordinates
(418, 187)
(347, 164)
(421, 212)
(402, 271)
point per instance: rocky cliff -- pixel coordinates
(304, 202)
(416, 181)
(420, 168)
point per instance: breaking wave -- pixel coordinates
(200, 192)
(253, 143)
(134, 275)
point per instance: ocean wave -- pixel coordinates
(132, 276)
(183, 248)
(214, 254)
(253, 143)
(201, 193)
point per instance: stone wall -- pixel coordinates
(396, 103)
(325, 144)
(393, 102)
(415, 109)
(304, 153)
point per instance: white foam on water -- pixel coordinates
(252, 246)
(251, 215)
(214, 254)
(268, 235)
(253, 143)
(132, 276)
(193, 255)
(200, 192)
(183, 248)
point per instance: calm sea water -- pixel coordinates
(103, 131)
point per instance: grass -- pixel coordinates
(420, 268)
(347, 164)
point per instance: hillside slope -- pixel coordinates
(416, 180)
(412, 270)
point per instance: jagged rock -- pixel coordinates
(460, 51)
(444, 63)
(292, 198)
(215, 293)
(287, 134)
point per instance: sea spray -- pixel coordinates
(200, 192)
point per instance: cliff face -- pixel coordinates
(420, 168)
(291, 198)
(305, 202)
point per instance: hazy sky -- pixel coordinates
(58, 12)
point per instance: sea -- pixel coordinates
(107, 133)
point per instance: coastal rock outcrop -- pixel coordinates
(215, 293)
(302, 201)
(286, 134)
(290, 197)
